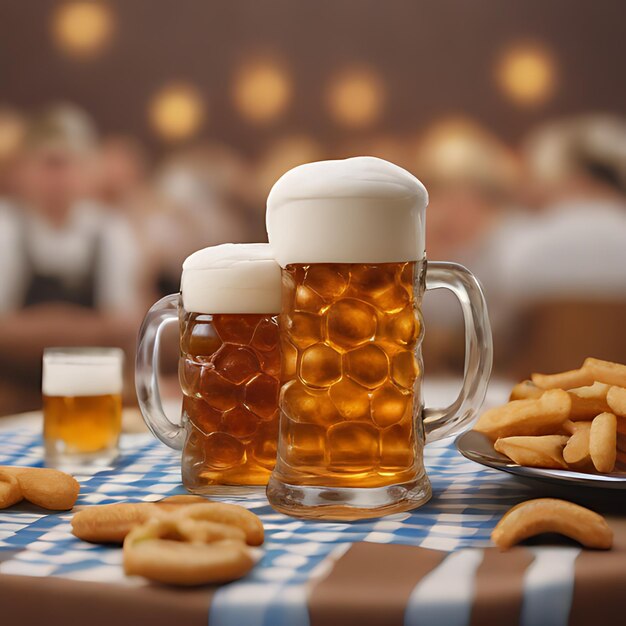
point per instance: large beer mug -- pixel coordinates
(349, 237)
(229, 366)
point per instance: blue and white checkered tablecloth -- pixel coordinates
(467, 502)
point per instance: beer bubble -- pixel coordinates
(289, 355)
(201, 415)
(217, 391)
(352, 446)
(393, 299)
(407, 276)
(305, 443)
(388, 405)
(367, 365)
(270, 361)
(265, 444)
(223, 451)
(371, 280)
(266, 335)
(200, 338)
(307, 300)
(235, 363)
(351, 322)
(305, 329)
(396, 447)
(328, 282)
(403, 327)
(241, 423)
(308, 405)
(352, 400)
(189, 375)
(320, 366)
(235, 329)
(404, 369)
(194, 453)
(261, 396)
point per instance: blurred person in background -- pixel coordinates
(563, 273)
(202, 199)
(69, 268)
(123, 173)
(124, 186)
(470, 176)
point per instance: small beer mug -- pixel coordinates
(229, 366)
(82, 406)
(349, 236)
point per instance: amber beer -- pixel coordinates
(229, 373)
(351, 369)
(229, 367)
(82, 405)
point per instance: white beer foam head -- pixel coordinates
(231, 278)
(82, 371)
(359, 210)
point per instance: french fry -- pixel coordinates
(606, 371)
(568, 420)
(546, 451)
(569, 428)
(538, 416)
(587, 402)
(525, 390)
(576, 452)
(564, 380)
(603, 442)
(616, 399)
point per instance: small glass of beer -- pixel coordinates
(82, 405)
(229, 367)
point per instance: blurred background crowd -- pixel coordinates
(132, 134)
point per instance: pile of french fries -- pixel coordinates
(572, 420)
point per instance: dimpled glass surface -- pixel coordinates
(351, 370)
(229, 372)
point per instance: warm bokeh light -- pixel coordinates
(526, 73)
(356, 97)
(457, 150)
(282, 156)
(11, 133)
(262, 91)
(177, 111)
(81, 28)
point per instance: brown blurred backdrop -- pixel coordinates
(435, 59)
(133, 133)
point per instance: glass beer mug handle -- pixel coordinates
(146, 374)
(440, 423)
